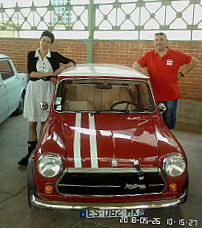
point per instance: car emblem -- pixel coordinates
(133, 186)
(114, 162)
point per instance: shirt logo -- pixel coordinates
(169, 62)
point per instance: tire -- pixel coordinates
(31, 206)
(31, 189)
(20, 108)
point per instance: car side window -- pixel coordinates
(6, 70)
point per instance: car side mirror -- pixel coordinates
(44, 105)
(162, 108)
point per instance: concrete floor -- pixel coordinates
(14, 210)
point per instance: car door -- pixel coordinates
(12, 84)
(3, 100)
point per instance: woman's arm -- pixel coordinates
(40, 75)
(64, 60)
(62, 67)
(70, 64)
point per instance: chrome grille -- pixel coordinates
(102, 184)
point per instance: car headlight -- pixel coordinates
(49, 165)
(174, 165)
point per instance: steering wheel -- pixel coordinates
(122, 102)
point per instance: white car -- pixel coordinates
(12, 88)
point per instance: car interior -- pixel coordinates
(103, 95)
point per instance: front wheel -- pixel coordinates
(20, 108)
(31, 206)
(31, 189)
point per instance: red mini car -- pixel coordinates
(105, 146)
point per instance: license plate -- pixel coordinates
(111, 213)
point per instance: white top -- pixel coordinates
(109, 70)
(38, 91)
(43, 65)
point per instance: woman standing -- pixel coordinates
(41, 63)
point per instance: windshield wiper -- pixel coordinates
(144, 110)
(118, 111)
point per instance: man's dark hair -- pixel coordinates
(49, 34)
(160, 34)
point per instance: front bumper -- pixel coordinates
(37, 202)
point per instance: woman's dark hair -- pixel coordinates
(49, 34)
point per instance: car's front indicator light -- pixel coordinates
(174, 165)
(49, 165)
(48, 189)
(173, 187)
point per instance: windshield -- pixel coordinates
(96, 95)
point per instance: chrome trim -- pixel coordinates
(110, 170)
(156, 184)
(128, 195)
(90, 186)
(37, 202)
(99, 186)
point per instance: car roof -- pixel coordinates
(103, 70)
(3, 56)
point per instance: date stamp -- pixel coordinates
(158, 221)
(140, 220)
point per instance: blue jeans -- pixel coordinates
(169, 116)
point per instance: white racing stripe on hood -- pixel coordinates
(93, 142)
(77, 142)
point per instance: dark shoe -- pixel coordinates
(25, 159)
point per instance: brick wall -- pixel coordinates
(118, 52)
(17, 50)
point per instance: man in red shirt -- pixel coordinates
(163, 66)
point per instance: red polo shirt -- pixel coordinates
(163, 72)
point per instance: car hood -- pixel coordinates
(109, 140)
